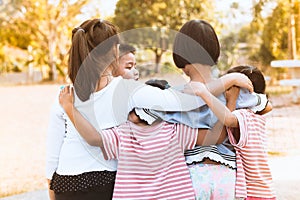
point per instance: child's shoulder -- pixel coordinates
(247, 114)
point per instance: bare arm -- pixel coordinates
(231, 96)
(50, 192)
(267, 109)
(83, 126)
(225, 82)
(216, 135)
(221, 111)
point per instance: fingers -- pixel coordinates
(250, 87)
(66, 89)
(71, 90)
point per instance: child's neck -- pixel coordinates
(201, 73)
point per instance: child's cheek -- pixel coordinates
(128, 74)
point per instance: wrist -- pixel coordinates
(68, 106)
(227, 81)
(231, 105)
(202, 93)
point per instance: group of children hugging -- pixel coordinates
(113, 137)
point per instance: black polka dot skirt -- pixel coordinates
(89, 181)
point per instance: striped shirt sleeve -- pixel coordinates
(187, 136)
(110, 138)
(242, 119)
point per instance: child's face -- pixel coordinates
(127, 65)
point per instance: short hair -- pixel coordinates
(254, 74)
(126, 48)
(196, 42)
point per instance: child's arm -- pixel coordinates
(267, 109)
(221, 111)
(231, 97)
(225, 82)
(213, 136)
(86, 129)
(218, 133)
(235, 79)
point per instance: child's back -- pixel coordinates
(151, 161)
(254, 177)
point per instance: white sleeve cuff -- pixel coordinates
(262, 102)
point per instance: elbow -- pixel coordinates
(267, 109)
(94, 141)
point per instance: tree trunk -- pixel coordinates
(158, 55)
(52, 72)
(51, 62)
(292, 47)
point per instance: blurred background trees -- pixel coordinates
(41, 29)
(162, 16)
(35, 34)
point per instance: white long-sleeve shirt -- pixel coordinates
(67, 151)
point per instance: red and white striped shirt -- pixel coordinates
(151, 160)
(254, 177)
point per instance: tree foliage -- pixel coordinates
(163, 16)
(45, 26)
(170, 14)
(275, 35)
(272, 32)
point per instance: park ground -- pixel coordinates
(23, 126)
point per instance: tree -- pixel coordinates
(43, 25)
(275, 35)
(162, 16)
(229, 51)
(279, 32)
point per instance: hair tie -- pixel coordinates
(101, 20)
(251, 69)
(78, 29)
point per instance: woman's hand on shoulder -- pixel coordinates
(66, 97)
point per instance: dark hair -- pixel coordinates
(91, 53)
(254, 74)
(196, 42)
(125, 49)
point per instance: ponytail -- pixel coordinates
(90, 54)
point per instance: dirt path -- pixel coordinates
(23, 126)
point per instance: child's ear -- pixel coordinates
(185, 70)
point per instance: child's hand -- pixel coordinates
(162, 84)
(240, 80)
(195, 88)
(66, 97)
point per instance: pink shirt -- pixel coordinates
(151, 160)
(254, 177)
